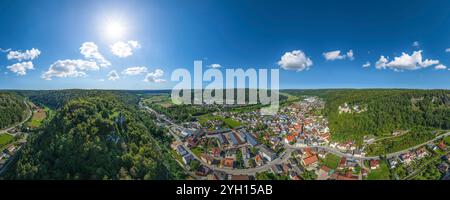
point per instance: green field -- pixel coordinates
(5, 139)
(382, 173)
(331, 161)
(230, 123)
(38, 117)
(162, 100)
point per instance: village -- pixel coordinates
(15, 137)
(294, 144)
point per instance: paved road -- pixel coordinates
(287, 153)
(30, 113)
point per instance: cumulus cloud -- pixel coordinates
(113, 75)
(440, 67)
(295, 60)
(366, 65)
(336, 55)
(447, 50)
(133, 71)
(215, 66)
(27, 55)
(416, 44)
(406, 62)
(124, 49)
(90, 51)
(21, 68)
(69, 68)
(155, 77)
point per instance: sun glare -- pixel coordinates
(114, 30)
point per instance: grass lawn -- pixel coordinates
(228, 121)
(447, 140)
(331, 161)
(5, 139)
(38, 118)
(162, 100)
(381, 173)
(197, 151)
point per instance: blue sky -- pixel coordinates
(153, 38)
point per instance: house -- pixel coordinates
(207, 158)
(234, 139)
(447, 157)
(202, 171)
(258, 160)
(421, 153)
(289, 139)
(310, 161)
(251, 140)
(442, 146)
(267, 153)
(222, 139)
(443, 168)
(245, 153)
(293, 176)
(181, 150)
(215, 152)
(11, 149)
(227, 163)
(392, 163)
(374, 164)
(188, 158)
(324, 173)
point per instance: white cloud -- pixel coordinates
(69, 68)
(381, 63)
(406, 62)
(124, 49)
(27, 55)
(440, 67)
(155, 77)
(416, 44)
(21, 68)
(350, 55)
(336, 55)
(113, 75)
(366, 65)
(215, 66)
(90, 51)
(295, 60)
(5, 50)
(447, 50)
(133, 71)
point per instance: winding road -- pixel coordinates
(30, 113)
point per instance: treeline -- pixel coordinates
(97, 136)
(55, 99)
(386, 111)
(12, 109)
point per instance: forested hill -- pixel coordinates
(381, 112)
(96, 137)
(55, 99)
(12, 109)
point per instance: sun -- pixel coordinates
(114, 29)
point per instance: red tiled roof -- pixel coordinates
(310, 160)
